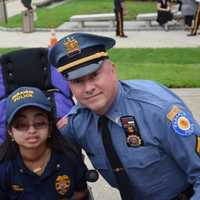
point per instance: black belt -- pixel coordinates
(186, 194)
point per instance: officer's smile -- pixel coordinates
(93, 96)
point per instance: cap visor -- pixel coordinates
(48, 109)
(83, 71)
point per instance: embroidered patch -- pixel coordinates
(182, 124)
(62, 184)
(172, 113)
(198, 145)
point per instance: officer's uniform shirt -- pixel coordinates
(60, 179)
(168, 158)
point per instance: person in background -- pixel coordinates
(27, 4)
(36, 161)
(140, 136)
(188, 10)
(164, 13)
(119, 15)
(196, 20)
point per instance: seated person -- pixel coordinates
(36, 161)
(164, 13)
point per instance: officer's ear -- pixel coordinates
(114, 69)
(114, 66)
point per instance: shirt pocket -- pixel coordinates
(142, 157)
(144, 167)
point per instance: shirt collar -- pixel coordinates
(116, 109)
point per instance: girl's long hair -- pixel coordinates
(57, 142)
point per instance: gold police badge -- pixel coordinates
(134, 140)
(17, 188)
(62, 184)
(71, 46)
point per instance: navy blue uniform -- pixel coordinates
(164, 159)
(60, 180)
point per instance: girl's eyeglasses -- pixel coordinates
(25, 126)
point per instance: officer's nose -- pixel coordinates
(89, 88)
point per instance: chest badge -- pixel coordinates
(130, 127)
(17, 188)
(62, 184)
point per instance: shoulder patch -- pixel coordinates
(172, 113)
(182, 124)
(198, 145)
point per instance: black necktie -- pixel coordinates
(124, 186)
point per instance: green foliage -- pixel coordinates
(54, 16)
(173, 67)
(136, 7)
(6, 50)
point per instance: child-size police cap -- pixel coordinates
(24, 97)
(79, 54)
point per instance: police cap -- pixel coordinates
(79, 54)
(24, 97)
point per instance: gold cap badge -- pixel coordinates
(71, 46)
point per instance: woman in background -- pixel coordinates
(164, 13)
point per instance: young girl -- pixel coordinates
(36, 161)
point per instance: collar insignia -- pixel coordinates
(62, 184)
(71, 46)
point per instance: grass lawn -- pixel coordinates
(173, 67)
(51, 17)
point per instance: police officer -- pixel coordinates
(152, 136)
(119, 15)
(27, 4)
(196, 21)
(36, 161)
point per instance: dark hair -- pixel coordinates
(56, 141)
